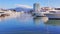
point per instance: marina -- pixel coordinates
(51, 14)
(33, 17)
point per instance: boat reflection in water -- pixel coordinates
(53, 22)
(26, 23)
(53, 26)
(40, 20)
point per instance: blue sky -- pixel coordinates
(13, 3)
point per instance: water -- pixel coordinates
(27, 24)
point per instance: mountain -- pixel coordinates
(19, 9)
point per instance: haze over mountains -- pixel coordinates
(25, 8)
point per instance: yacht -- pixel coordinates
(53, 14)
(40, 13)
(5, 12)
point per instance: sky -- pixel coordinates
(28, 3)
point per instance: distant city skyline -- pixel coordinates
(28, 3)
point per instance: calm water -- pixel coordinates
(26, 24)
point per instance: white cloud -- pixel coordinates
(24, 6)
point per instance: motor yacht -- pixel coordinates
(53, 14)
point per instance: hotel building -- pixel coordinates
(36, 7)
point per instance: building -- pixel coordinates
(36, 7)
(47, 8)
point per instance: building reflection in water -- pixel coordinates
(40, 20)
(25, 18)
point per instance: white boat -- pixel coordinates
(39, 14)
(53, 14)
(5, 12)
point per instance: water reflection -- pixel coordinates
(26, 22)
(25, 18)
(14, 16)
(53, 22)
(51, 26)
(3, 18)
(40, 20)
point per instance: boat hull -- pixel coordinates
(53, 16)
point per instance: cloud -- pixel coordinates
(24, 6)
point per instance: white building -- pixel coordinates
(36, 7)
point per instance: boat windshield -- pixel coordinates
(52, 11)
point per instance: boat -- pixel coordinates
(53, 14)
(4, 13)
(39, 14)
